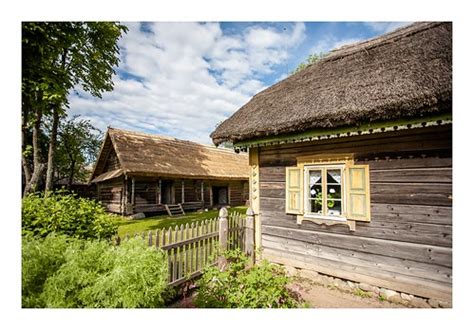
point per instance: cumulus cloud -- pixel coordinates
(181, 79)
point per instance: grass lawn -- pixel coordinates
(127, 226)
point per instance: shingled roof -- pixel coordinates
(155, 155)
(401, 75)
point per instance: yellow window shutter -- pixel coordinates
(294, 190)
(358, 193)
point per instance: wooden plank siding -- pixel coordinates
(407, 245)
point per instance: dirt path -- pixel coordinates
(318, 296)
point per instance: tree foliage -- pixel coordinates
(58, 57)
(78, 145)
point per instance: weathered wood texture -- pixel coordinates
(407, 246)
(236, 193)
(112, 162)
(110, 195)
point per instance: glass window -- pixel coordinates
(324, 191)
(315, 191)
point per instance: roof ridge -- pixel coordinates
(170, 138)
(380, 40)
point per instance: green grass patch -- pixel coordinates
(127, 226)
(362, 293)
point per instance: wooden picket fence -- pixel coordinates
(192, 247)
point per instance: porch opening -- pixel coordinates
(167, 192)
(220, 195)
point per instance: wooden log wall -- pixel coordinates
(146, 193)
(192, 191)
(110, 195)
(236, 191)
(407, 246)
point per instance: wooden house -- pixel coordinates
(138, 172)
(351, 162)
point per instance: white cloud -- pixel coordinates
(385, 27)
(191, 76)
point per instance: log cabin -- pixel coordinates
(144, 173)
(351, 162)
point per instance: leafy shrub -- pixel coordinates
(238, 286)
(66, 214)
(100, 275)
(40, 259)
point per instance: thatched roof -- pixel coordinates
(154, 155)
(403, 74)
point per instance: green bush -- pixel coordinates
(40, 259)
(100, 275)
(238, 286)
(67, 214)
(60, 271)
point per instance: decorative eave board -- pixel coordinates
(374, 128)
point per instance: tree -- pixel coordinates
(57, 58)
(312, 58)
(78, 145)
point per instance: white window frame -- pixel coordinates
(306, 205)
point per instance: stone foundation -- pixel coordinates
(363, 289)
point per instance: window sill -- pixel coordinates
(328, 221)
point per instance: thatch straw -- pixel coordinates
(155, 155)
(403, 74)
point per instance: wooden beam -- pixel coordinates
(254, 193)
(125, 193)
(202, 192)
(210, 195)
(133, 194)
(182, 191)
(173, 193)
(123, 202)
(158, 192)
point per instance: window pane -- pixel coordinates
(334, 207)
(334, 176)
(316, 191)
(315, 188)
(315, 177)
(333, 191)
(316, 205)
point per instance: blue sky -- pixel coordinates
(182, 79)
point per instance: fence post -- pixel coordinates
(249, 234)
(223, 229)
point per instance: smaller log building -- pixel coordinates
(138, 172)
